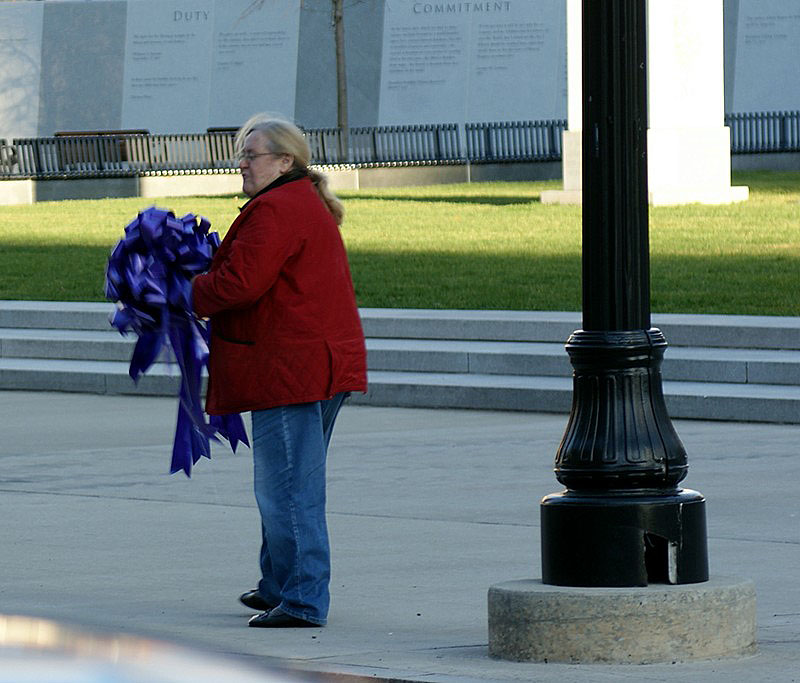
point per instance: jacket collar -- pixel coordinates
(288, 177)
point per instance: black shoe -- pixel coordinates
(278, 619)
(253, 600)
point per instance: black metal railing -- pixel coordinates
(515, 141)
(764, 132)
(326, 145)
(120, 154)
(74, 155)
(8, 157)
(393, 144)
(440, 143)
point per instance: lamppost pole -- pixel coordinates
(616, 260)
(622, 520)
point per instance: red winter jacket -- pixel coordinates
(284, 324)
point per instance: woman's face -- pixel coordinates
(259, 166)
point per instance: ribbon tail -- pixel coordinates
(202, 445)
(145, 353)
(230, 427)
(182, 447)
(191, 372)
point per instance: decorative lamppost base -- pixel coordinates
(533, 622)
(630, 538)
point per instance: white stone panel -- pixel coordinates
(517, 62)
(167, 65)
(451, 62)
(423, 65)
(254, 63)
(767, 56)
(20, 68)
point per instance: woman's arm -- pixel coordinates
(261, 246)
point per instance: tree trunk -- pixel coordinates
(341, 80)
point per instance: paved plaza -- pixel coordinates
(427, 510)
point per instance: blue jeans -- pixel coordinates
(290, 446)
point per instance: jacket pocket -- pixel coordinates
(348, 359)
(234, 327)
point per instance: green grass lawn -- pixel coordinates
(484, 245)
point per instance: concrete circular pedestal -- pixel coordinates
(531, 621)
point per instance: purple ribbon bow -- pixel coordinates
(149, 275)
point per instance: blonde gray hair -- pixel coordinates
(283, 137)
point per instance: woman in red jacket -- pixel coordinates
(286, 344)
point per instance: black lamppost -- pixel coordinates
(622, 520)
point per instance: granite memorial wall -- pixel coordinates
(186, 65)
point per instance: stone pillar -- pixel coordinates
(571, 156)
(688, 143)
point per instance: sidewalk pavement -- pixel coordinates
(427, 509)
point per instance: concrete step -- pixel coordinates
(86, 376)
(716, 367)
(67, 344)
(762, 366)
(439, 355)
(55, 315)
(732, 331)
(697, 400)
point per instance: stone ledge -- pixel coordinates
(671, 196)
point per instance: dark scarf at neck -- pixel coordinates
(288, 177)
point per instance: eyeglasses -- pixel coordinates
(249, 156)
